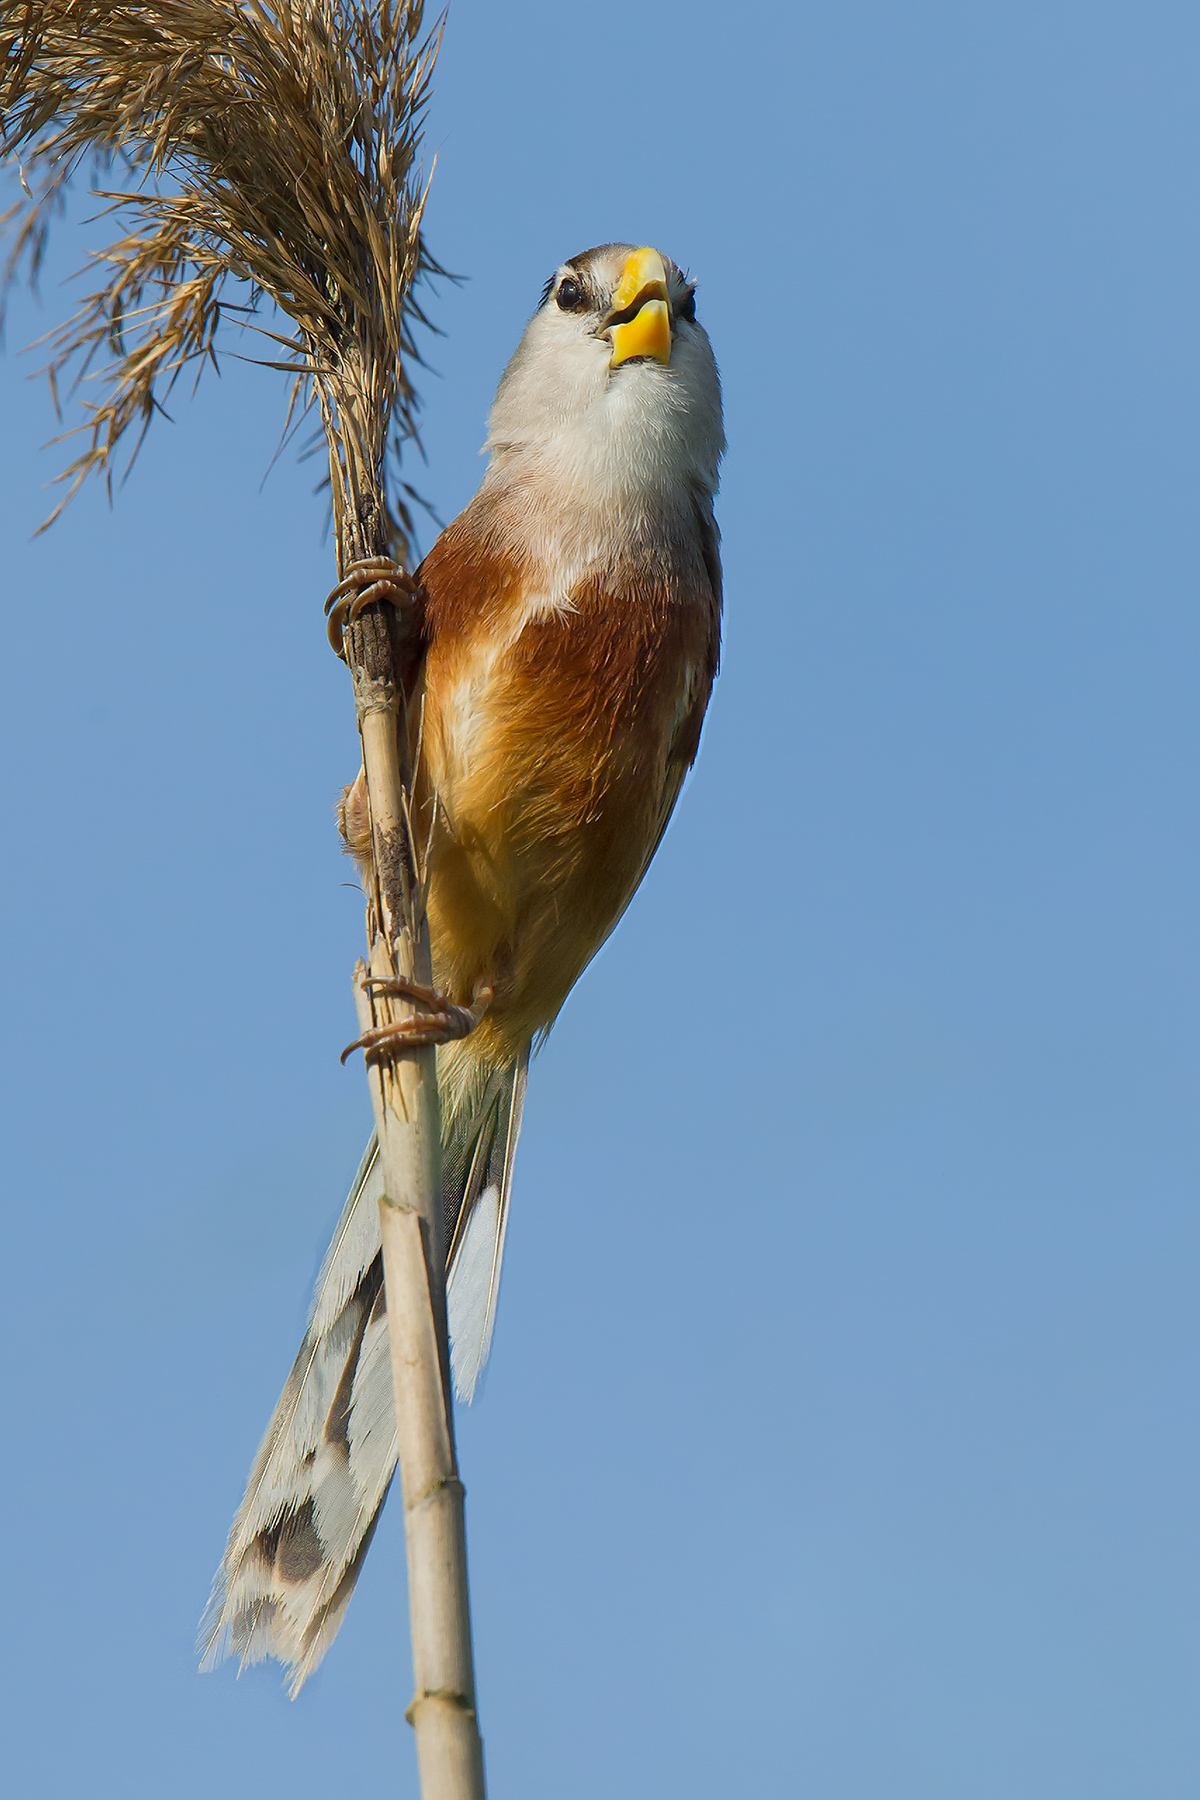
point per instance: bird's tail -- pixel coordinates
(324, 1467)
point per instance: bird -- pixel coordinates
(566, 631)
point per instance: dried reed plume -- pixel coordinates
(268, 153)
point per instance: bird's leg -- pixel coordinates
(374, 578)
(439, 1020)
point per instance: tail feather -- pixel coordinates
(477, 1245)
(323, 1470)
(354, 1246)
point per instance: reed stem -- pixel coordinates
(405, 1099)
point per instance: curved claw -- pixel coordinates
(417, 1033)
(368, 569)
(374, 578)
(441, 1021)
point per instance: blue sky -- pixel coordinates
(840, 1439)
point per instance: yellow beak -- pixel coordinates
(639, 320)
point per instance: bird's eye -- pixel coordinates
(570, 295)
(687, 306)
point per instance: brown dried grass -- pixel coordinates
(265, 152)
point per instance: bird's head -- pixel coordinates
(613, 369)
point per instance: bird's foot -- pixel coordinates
(439, 1020)
(374, 578)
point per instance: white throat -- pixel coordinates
(587, 464)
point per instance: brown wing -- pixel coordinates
(556, 742)
(686, 743)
